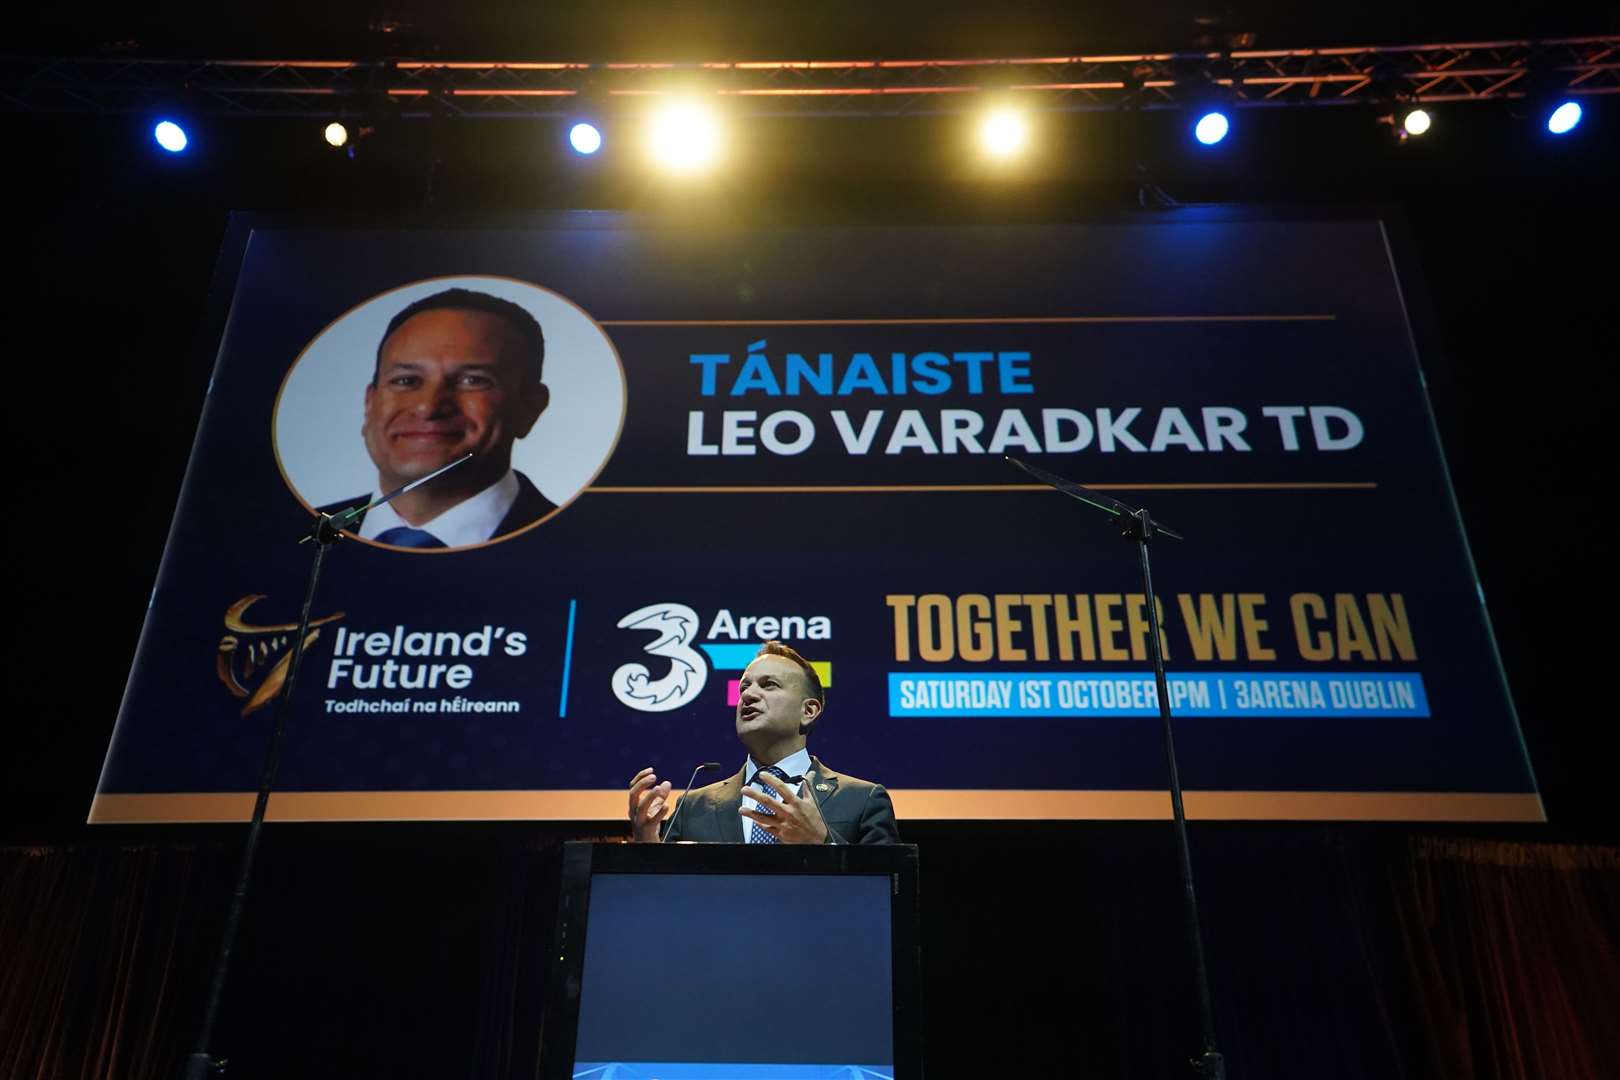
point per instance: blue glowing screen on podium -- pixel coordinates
(691, 977)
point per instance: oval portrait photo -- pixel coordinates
(513, 386)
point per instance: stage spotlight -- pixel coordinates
(584, 138)
(170, 135)
(684, 137)
(1563, 118)
(1212, 127)
(336, 134)
(1004, 133)
(1416, 122)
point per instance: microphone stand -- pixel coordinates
(1137, 527)
(328, 530)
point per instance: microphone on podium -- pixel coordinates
(682, 803)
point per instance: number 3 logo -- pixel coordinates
(674, 625)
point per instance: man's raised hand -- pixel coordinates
(648, 800)
(796, 818)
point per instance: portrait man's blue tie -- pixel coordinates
(405, 536)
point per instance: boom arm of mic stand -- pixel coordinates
(1098, 501)
(329, 527)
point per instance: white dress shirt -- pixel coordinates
(471, 521)
(796, 764)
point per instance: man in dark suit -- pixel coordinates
(781, 795)
(457, 373)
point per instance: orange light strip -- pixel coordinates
(1070, 86)
(299, 90)
(1467, 73)
(783, 65)
(514, 93)
(949, 805)
(318, 64)
(982, 63)
(854, 91)
(877, 91)
(474, 65)
(411, 92)
(794, 65)
(1012, 320)
(1272, 80)
(910, 805)
(933, 489)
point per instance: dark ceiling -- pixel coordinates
(669, 30)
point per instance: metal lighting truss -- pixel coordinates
(1455, 72)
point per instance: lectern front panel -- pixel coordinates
(723, 976)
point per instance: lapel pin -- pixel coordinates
(823, 787)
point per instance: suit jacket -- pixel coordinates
(856, 811)
(530, 507)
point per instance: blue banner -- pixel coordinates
(1300, 693)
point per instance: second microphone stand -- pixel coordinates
(1138, 527)
(328, 530)
(200, 1061)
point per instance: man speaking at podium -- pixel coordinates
(789, 797)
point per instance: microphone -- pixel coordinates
(682, 804)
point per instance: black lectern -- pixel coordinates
(734, 962)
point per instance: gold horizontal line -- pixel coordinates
(887, 489)
(949, 805)
(1013, 321)
(910, 805)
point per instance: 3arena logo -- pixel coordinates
(730, 642)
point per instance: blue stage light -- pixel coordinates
(1211, 127)
(170, 135)
(1563, 118)
(584, 138)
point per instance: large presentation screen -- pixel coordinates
(676, 442)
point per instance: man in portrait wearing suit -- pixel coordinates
(457, 373)
(781, 795)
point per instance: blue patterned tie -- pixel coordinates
(757, 833)
(405, 536)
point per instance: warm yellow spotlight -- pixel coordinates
(684, 136)
(1416, 122)
(1004, 133)
(336, 134)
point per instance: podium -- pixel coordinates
(734, 962)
